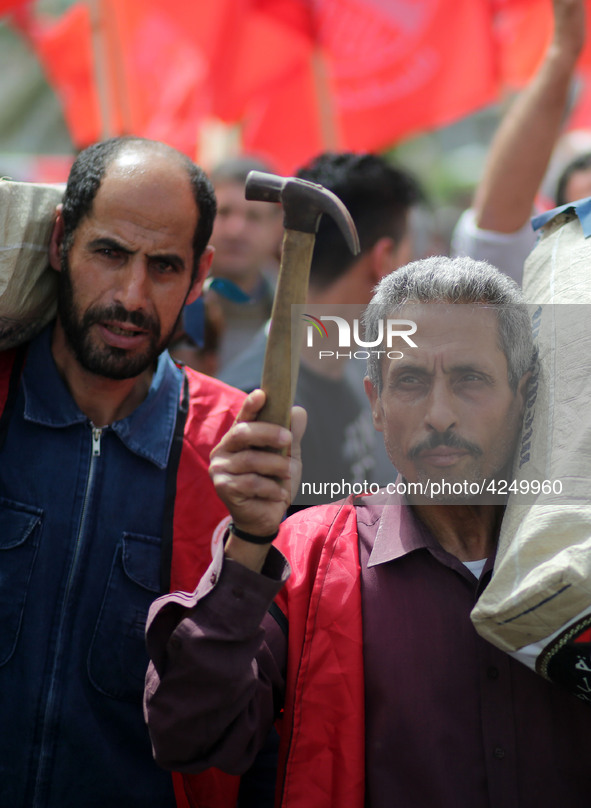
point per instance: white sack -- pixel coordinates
(27, 283)
(542, 578)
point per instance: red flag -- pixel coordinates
(135, 68)
(369, 73)
(523, 29)
(297, 76)
(8, 6)
(159, 55)
(65, 51)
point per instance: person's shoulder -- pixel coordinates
(207, 414)
(11, 362)
(200, 384)
(506, 251)
(369, 507)
(362, 505)
(211, 397)
(314, 533)
(317, 521)
(7, 357)
(323, 514)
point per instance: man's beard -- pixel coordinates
(105, 360)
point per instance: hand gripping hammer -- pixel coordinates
(303, 205)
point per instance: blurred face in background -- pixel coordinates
(578, 185)
(246, 236)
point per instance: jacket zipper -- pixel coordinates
(45, 756)
(97, 432)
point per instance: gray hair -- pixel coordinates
(455, 280)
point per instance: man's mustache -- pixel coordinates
(449, 439)
(120, 314)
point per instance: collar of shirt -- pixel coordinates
(397, 532)
(148, 431)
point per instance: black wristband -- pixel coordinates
(242, 534)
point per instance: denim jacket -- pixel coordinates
(81, 513)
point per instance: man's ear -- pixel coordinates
(377, 413)
(381, 259)
(202, 273)
(387, 255)
(403, 251)
(56, 241)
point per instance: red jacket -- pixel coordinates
(322, 751)
(210, 409)
(194, 516)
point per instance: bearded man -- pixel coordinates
(105, 499)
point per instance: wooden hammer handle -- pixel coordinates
(282, 356)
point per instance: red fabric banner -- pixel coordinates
(8, 6)
(297, 76)
(66, 53)
(375, 72)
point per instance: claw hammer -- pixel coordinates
(303, 205)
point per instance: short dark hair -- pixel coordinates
(89, 169)
(580, 163)
(377, 194)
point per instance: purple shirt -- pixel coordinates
(450, 720)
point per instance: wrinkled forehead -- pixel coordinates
(449, 333)
(451, 320)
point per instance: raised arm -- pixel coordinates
(215, 682)
(256, 485)
(522, 146)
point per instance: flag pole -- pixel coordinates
(100, 61)
(329, 131)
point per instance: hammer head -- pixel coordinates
(303, 204)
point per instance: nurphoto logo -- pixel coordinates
(390, 332)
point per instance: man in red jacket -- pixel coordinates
(382, 690)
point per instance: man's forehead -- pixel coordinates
(453, 330)
(451, 319)
(128, 160)
(144, 200)
(149, 161)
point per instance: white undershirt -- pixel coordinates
(475, 567)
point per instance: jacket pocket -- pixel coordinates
(20, 531)
(118, 660)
